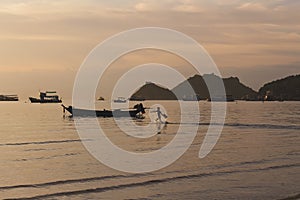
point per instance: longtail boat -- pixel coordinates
(136, 112)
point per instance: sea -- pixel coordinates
(257, 155)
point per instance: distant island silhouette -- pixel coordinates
(194, 88)
(286, 89)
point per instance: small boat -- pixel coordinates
(227, 98)
(13, 97)
(120, 100)
(46, 97)
(101, 99)
(136, 112)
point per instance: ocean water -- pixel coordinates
(256, 157)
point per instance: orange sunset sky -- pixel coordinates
(44, 42)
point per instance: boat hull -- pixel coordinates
(104, 113)
(35, 100)
(9, 98)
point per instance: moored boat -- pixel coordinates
(227, 98)
(13, 97)
(46, 97)
(101, 99)
(136, 112)
(120, 100)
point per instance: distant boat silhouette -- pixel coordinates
(46, 97)
(227, 98)
(101, 99)
(13, 97)
(120, 100)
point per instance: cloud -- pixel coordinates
(186, 6)
(252, 6)
(147, 6)
(58, 33)
(46, 9)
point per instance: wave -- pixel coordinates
(240, 125)
(47, 158)
(136, 184)
(60, 182)
(264, 126)
(41, 142)
(295, 197)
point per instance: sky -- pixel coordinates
(44, 42)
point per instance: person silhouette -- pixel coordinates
(160, 114)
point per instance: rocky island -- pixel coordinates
(287, 89)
